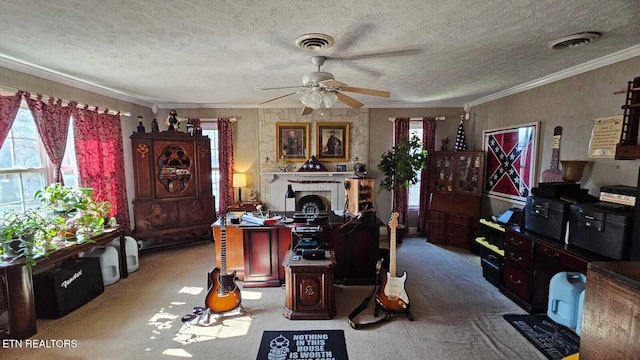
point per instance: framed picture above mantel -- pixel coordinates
(292, 140)
(332, 141)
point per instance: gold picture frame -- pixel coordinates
(332, 141)
(292, 140)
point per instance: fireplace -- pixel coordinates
(328, 186)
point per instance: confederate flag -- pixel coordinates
(509, 167)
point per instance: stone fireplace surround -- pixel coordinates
(329, 185)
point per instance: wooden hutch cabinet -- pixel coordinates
(454, 207)
(173, 201)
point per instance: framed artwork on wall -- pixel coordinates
(511, 154)
(292, 140)
(332, 141)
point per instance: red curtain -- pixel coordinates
(225, 143)
(401, 194)
(9, 106)
(52, 122)
(99, 151)
(428, 143)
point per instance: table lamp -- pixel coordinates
(290, 194)
(239, 181)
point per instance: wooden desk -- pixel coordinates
(309, 287)
(18, 284)
(255, 253)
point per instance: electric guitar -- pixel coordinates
(392, 296)
(224, 294)
(553, 174)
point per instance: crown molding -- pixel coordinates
(572, 71)
(48, 74)
(388, 105)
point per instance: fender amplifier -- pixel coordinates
(59, 291)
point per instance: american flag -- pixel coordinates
(312, 164)
(509, 162)
(461, 140)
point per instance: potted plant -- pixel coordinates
(400, 166)
(83, 215)
(62, 199)
(29, 234)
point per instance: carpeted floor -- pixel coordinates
(458, 315)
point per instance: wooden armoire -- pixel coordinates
(456, 189)
(173, 201)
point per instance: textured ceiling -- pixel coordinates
(218, 53)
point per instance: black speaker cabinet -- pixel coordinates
(59, 291)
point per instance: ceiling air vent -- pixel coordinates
(574, 40)
(314, 42)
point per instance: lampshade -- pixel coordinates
(329, 98)
(312, 98)
(290, 194)
(239, 180)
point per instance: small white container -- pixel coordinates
(109, 262)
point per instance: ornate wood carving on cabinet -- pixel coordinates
(173, 201)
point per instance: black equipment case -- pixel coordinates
(602, 228)
(547, 217)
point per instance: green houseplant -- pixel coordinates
(400, 166)
(29, 234)
(82, 214)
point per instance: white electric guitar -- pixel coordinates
(391, 296)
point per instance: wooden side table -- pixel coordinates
(309, 287)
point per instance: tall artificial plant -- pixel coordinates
(401, 164)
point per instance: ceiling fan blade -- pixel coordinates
(378, 54)
(349, 100)
(276, 98)
(306, 111)
(281, 87)
(332, 83)
(358, 90)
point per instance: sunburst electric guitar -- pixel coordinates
(224, 294)
(392, 296)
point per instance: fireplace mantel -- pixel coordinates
(309, 182)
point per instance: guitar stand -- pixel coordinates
(208, 318)
(377, 308)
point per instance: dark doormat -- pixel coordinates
(553, 340)
(313, 344)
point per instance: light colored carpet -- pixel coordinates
(458, 314)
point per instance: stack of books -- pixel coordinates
(619, 194)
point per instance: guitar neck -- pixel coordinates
(223, 248)
(555, 154)
(555, 159)
(392, 253)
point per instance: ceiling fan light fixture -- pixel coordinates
(329, 98)
(312, 99)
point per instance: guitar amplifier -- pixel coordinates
(59, 291)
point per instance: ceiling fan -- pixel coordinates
(320, 87)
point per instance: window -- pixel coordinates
(25, 167)
(415, 129)
(210, 129)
